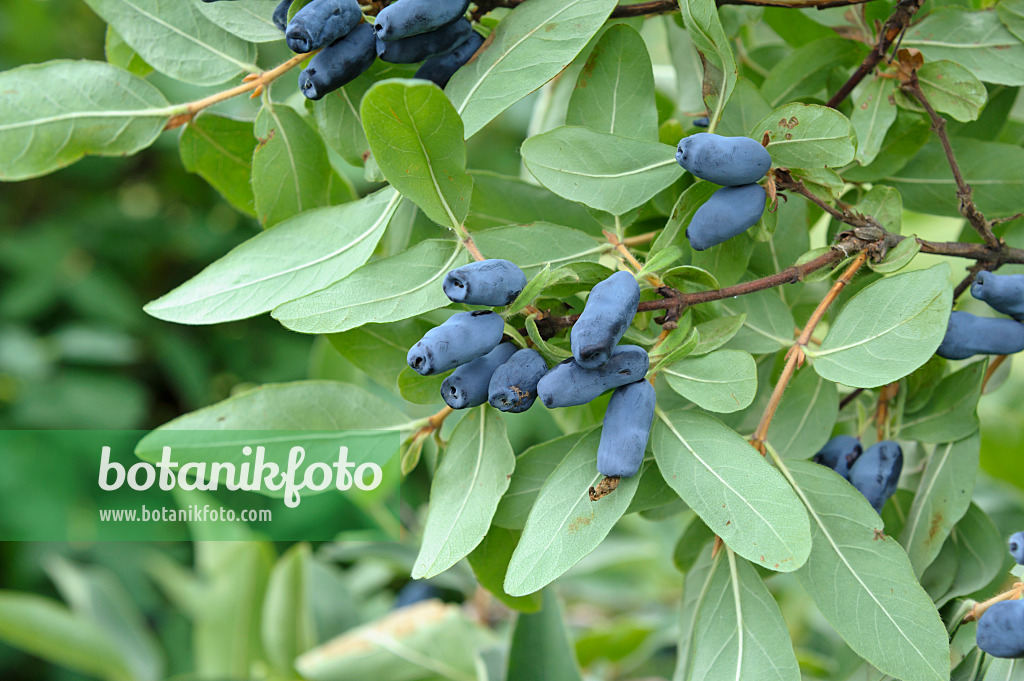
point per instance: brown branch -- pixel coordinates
(995, 364)
(1015, 592)
(890, 31)
(963, 190)
(850, 398)
(649, 7)
(795, 356)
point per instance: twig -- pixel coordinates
(963, 190)
(254, 83)
(1015, 592)
(850, 398)
(641, 239)
(890, 31)
(653, 279)
(795, 356)
(995, 364)
(473, 250)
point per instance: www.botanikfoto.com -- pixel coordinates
(193, 513)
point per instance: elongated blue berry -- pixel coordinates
(1003, 292)
(626, 427)
(487, 282)
(609, 311)
(728, 161)
(1016, 545)
(415, 591)
(280, 16)
(876, 472)
(412, 17)
(339, 63)
(1001, 629)
(425, 45)
(839, 453)
(513, 386)
(439, 70)
(729, 212)
(467, 386)
(968, 335)
(568, 384)
(701, 122)
(462, 338)
(321, 23)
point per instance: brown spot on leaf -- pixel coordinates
(262, 141)
(935, 525)
(879, 534)
(579, 522)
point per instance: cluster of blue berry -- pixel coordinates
(736, 163)
(1001, 627)
(874, 473)
(434, 32)
(968, 335)
(490, 370)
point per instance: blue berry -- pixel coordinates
(1016, 545)
(1003, 292)
(839, 453)
(730, 211)
(440, 70)
(609, 311)
(876, 472)
(425, 45)
(462, 338)
(701, 122)
(320, 23)
(728, 161)
(415, 591)
(281, 14)
(487, 282)
(568, 384)
(412, 17)
(968, 335)
(467, 386)
(626, 427)
(339, 63)
(1001, 629)
(513, 386)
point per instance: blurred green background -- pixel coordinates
(83, 249)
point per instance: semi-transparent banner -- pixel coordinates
(172, 485)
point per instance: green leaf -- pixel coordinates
(885, 205)
(1003, 669)
(220, 150)
(298, 257)
(1011, 13)
(979, 549)
(490, 561)
(899, 257)
(768, 325)
(724, 381)
(603, 171)
(95, 594)
(287, 623)
(905, 138)
(528, 48)
(732, 488)
(727, 261)
(119, 53)
(473, 475)
(995, 172)
(46, 629)
(301, 405)
(950, 414)
(420, 389)
(805, 71)
(102, 111)
(716, 332)
(615, 90)
(416, 138)
(536, 246)
(291, 172)
(541, 645)
(862, 581)
(250, 20)
(804, 419)
(887, 330)
(700, 17)
(807, 136)
(564, 525)
(695, 196)
(501, 200)
(387, 290)
(975, 40)
(380, 350)
(950, 89)
(177, 39)
(746, 107)
(731, 626)
(943, 496)
(533, 468)
(874, 112)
